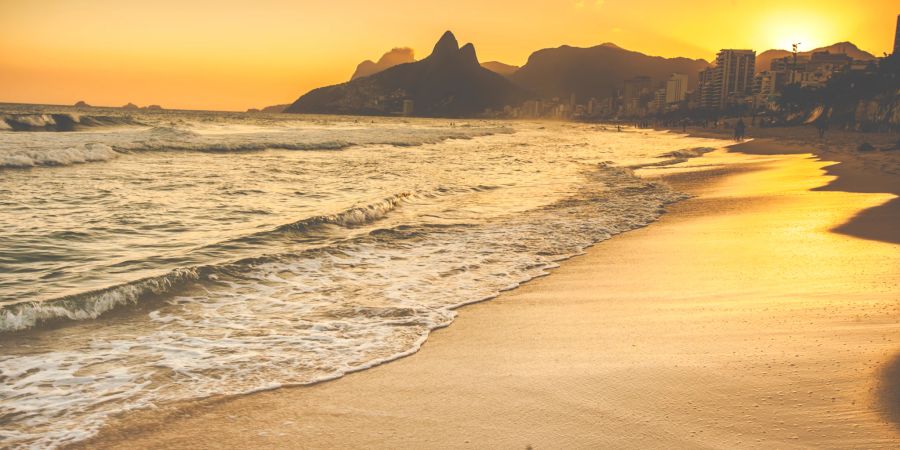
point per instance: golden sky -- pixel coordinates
(234, 55)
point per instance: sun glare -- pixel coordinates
(801, 27)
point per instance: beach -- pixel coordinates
(763, 312)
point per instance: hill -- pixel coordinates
(448, 83)
(398, 55)
(597, 71)
(500, 68)
(764, 59)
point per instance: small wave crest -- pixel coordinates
(91, 305)
(81, 153)
(675, 157)
(61, 122)
(352, 217)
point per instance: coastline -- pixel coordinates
(650, 339)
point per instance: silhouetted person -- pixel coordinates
(822, 125)
(739, 130)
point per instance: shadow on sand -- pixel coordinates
(889, 391)
(872, 223)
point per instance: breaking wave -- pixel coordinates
(19, 151)
(62, 122)
(92, 304)
(80, 153)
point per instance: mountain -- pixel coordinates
(597, 71)
(448, 83)
(500, 68)
(764, 59)
(396, 56)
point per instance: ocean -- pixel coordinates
(153, 257)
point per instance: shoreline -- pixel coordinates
(501, 341)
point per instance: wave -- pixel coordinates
(81, 153)
(24, 151)
(61, 122)
(92, 304)
(675, 157)
(351, 217)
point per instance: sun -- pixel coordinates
(783, 30)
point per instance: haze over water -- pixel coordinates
(232, 253)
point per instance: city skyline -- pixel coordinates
(232, 58)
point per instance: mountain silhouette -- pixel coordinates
(500, 68)
(448, 83)
(764, 59)
(597, 71)
(398, 55)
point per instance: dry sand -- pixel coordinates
(739, 320)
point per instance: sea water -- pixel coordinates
(156, 257)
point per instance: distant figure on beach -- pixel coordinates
(739, 130)
(822, 125)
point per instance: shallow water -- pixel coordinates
(159, 257)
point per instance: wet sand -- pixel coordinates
(741, 319)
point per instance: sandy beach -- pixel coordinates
(764, 312)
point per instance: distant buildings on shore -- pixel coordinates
(731, 84)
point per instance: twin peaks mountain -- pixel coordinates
(448, 83)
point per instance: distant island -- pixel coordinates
(146, 108)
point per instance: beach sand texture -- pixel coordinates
(739, 320)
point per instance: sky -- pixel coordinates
(234, 55)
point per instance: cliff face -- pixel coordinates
(596, 71)
(448, 83)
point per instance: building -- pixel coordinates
(897, 37)
(635, 93)
(707, 89)
(766, 85)
(734, 73)
(658, 104)
(676, 88)
(408, 107)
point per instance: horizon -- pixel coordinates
(232, 58)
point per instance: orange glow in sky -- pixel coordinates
(234, 55)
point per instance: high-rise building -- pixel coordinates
(729, 81)
(707, 89)
(734, 75)
(676, 88)
(634, 93)
(408, 107)
(897, 37)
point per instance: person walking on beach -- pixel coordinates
(739, 130)
(822, 125)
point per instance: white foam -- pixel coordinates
(487, 215)
(31, 157)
